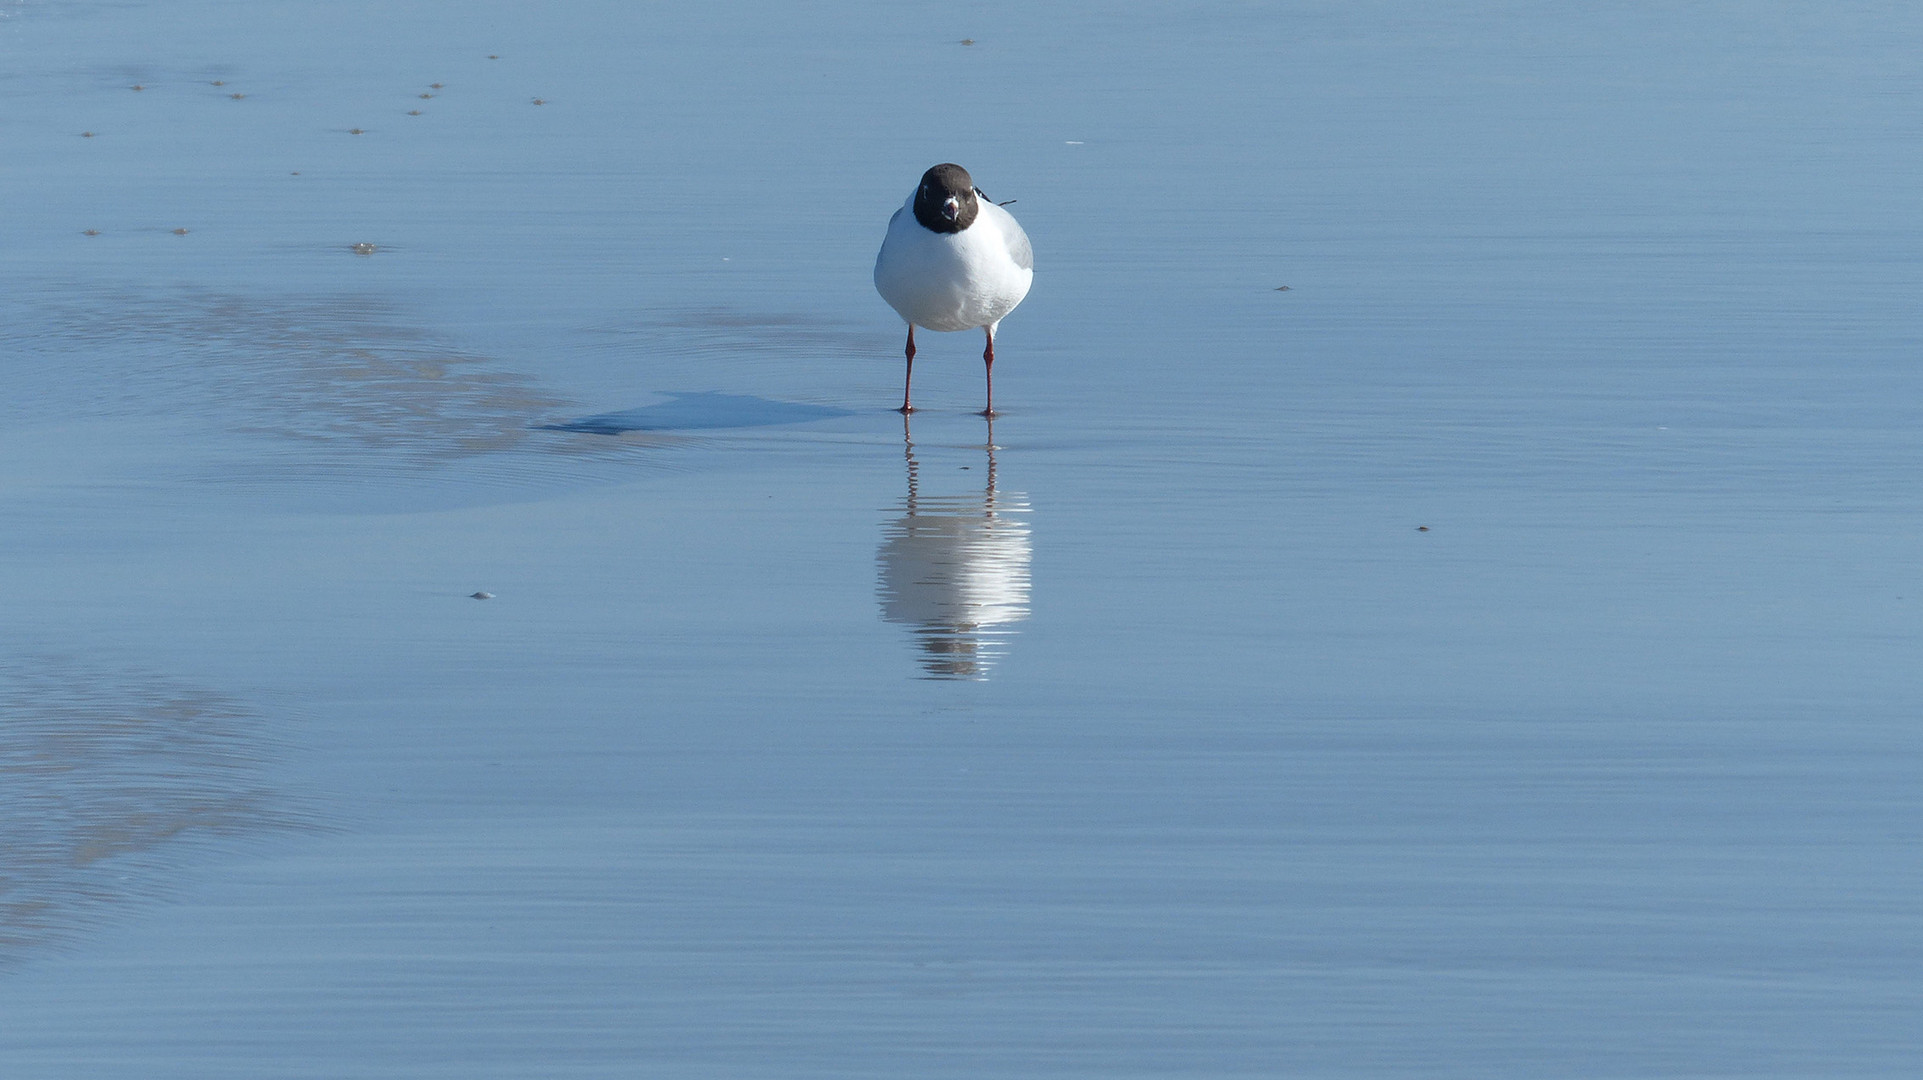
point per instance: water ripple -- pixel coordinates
(108, 781)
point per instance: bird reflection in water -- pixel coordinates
(955, 568)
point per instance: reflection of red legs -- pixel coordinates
(988, 362)
(908, 379)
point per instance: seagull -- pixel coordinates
(953, 260)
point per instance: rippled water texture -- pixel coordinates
(104, 777)
(1442, 596)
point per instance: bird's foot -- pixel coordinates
(905, 409)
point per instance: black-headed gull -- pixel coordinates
(953, 260)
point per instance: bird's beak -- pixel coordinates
(951, 208)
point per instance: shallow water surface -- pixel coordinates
(104, 772)
(1495, 654)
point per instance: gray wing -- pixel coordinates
(1018, 248)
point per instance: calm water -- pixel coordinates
(1496, 654)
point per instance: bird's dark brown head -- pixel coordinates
(945, 202)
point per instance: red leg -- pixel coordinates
(988, 363)
(908, 379)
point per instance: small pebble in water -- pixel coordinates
(434, 86)
(220, 82)
(236, 97)
(538, 101)
(137, 86)
(427, 95)
(413, 112)
(356, 131)
(968, 41)
(180, 232)
(482, 596)
(86, 134)
(491, 56)
(365, 248)
(1422, 528)
(90, 232)
(1281, 288)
